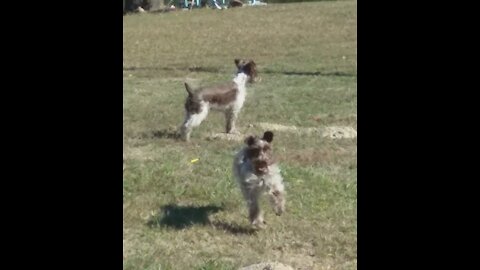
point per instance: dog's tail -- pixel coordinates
(189, 89)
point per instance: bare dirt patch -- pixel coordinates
(267, 266)
(331, 132)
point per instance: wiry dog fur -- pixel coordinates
(228, 97)
(257, 172)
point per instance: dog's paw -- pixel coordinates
(259, 224)
(279, 210)
(234, 132)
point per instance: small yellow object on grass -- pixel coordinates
(194, 160)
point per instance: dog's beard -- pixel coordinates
(261, 166)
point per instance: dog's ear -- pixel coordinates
(251, 69)
(268, 136)
(250, 64)
(250, 140)
(237, 61)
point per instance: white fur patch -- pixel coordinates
(196, 119)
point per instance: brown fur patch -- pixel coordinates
(192, 104)
(221, 95)
(251, 70)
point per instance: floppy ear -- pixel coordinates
(268, 136)
(250, 140)
(237, 61)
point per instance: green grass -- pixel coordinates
(183, 215)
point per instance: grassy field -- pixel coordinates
(183, 215)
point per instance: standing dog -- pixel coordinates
(228, 98)
(257, 172)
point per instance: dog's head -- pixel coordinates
(259, 152)
(248, 67)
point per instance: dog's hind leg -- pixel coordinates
(192, 120)
(254, 213)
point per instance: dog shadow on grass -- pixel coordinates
(160, 134)
(168, 134)
(182, 217)
(233, 228)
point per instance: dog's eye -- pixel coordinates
(266, 148)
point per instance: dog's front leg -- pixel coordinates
(255, 214)
(231, 118)
(252, 195)
(276, 195)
